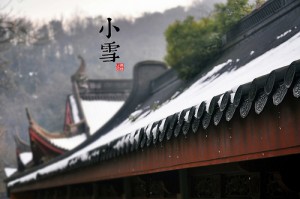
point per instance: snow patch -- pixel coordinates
(161, 127)
(196, 110)
(25, 157)
(69, 142)
(220, 100)
(232, 97)
(74, 109)
(154, 131)
(283, 34)
(207, 102)
(136, 113)
(186, 117)
(9, 171)
(175, 95)
(148, 130)
(98, 112)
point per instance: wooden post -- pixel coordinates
(68, 195)
(184, 184)
(95, 191)
(218, 181)
(55, 193)
(127, 188)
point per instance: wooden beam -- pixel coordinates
(273, 133)
(23, 195)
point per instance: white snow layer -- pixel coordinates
(69, 142)
(204, 89)
(25, 157)
(74, 109)
(9, 171)
(283, 34)
(98, 112)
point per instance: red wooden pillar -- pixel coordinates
(184, 184)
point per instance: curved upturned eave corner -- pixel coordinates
(21, 145)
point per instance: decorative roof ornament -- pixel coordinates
(28, 116)
(80, 76)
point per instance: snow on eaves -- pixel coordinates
(204, 89)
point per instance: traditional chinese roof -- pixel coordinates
(98, 101)
(21, 145)
(92, 104)
(247, 85)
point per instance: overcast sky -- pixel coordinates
(44, 10)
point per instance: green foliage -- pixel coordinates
(187, 40)
(229, 14)
(259, 3)
(192, 44)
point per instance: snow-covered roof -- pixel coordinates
(212, 84)
(9, 171)
(68, 143)
(98, 112)
(74, 109)
(25, 157)
(205, 88)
